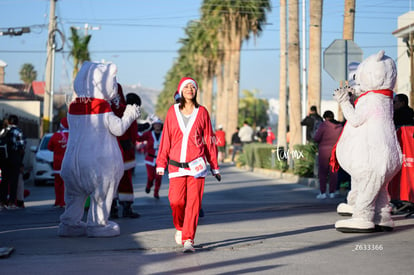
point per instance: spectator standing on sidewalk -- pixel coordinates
(311, 121)
(236, 143)
(403, 114)
(246, 133)
(270, 138)
(326, 137)
(12, 168)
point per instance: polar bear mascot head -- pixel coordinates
(96, 80)
(377, 72)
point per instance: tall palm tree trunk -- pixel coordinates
(348, 34)
(349, 20)
(315, 34)
(281, 130)
(233, 102)
(221, 104)
(294, 75)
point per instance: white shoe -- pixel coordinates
(332, 195)
(355, 225)
(178, 236)
(188, 246)
(321, 196)
(111, 229)
(345, 209)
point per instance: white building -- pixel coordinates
(405, 62)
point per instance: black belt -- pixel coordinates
(153, 156)
(179, 164)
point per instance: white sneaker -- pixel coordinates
(321, 196)
(332, 195)
(188, 246)
(178, 236)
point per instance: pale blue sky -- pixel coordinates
(141, 37)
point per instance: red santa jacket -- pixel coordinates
(151, 149)
(57, 144)
(184, 144)
(128, 139)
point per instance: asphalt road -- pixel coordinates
(253, 224)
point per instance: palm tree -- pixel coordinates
(27, 74)
(315, 34)
(281, 132)
(203, 51)
(79, 50)
(294, 72)
(238, 19)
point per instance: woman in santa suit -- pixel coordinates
(153, 139)
(187, 145)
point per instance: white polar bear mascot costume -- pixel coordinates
(368, 148)
(93, 164)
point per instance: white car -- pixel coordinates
(43, 163)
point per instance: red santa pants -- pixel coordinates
(153, 176)
(59, 191)
(185, 195)
(125, 187)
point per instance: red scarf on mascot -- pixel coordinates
(89, 106)
(333, 161)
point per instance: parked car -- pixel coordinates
(43, 163)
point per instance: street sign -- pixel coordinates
(338, 56)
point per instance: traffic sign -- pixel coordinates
(338, 56)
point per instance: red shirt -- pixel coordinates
(221, 138)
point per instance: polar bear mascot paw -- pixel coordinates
(111, 229)
(77, 230)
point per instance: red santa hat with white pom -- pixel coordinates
(184, 81)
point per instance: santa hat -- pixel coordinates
(177, 96)
(155, 119)
(64, 123)
(184, 81)
(159, 121)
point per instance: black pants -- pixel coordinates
(8, 186)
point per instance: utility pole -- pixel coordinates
(49, 74)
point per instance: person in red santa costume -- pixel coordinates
(152, 139)
(57, 144)
(187, 142)
(125, 194)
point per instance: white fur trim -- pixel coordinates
(185, 82)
